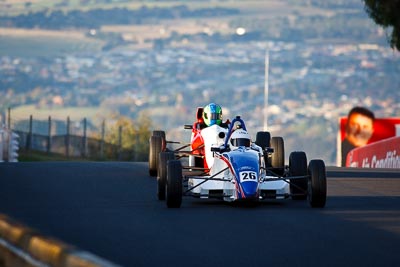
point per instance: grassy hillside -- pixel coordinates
(23, 112)
(27, 156)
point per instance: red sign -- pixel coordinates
(383, 128)
(381, 154)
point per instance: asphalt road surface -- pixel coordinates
(111, 210)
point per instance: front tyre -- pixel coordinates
(298, 167)
(317, 183)
(155, 149)
(163, 158)
(174, 184)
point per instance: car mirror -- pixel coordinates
(215, 149)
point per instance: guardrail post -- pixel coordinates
(9, 118)
(67, 138)
(119, 142)
(103, 126)
(84, 138)
(29, 136)
(1, 144)
(49, 136)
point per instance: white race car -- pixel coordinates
(237, 169)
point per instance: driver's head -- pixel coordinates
(240, 137)
(212, 114)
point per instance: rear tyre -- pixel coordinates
(298, 167)
(278, 156)
(174, 184)
(163, 158)
(317, 183)
(155, 149)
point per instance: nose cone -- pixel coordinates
(246, 166)
(250, 189)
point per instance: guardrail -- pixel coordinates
(23, 247)
(79, 138)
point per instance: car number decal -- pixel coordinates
(248, 176)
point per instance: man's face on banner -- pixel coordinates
(360, 129)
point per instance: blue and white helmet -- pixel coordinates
(240, 137)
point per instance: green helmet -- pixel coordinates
(212, 114)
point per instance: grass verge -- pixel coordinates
(27, 156)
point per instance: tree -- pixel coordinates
(386, 13)
(133, 135)
(144, 124)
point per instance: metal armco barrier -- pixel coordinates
(21, 246)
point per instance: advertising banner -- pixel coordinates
(381, 154)
(383, 128)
